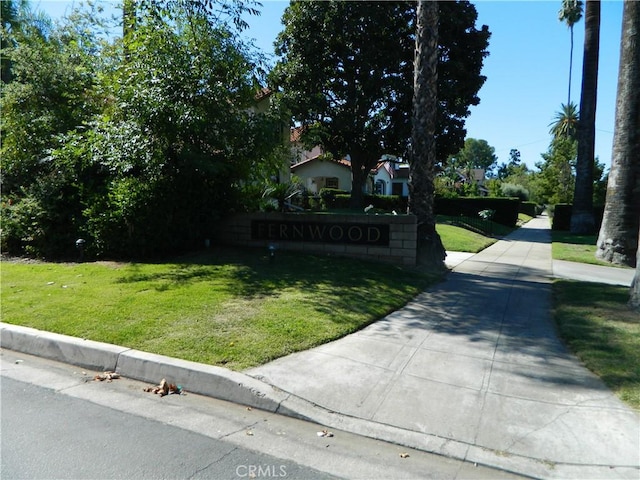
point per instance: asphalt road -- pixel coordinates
(58, 423)
(48, 435)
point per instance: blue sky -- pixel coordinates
(527, 70)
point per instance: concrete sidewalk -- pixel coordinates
(593, 273)
(471, 369)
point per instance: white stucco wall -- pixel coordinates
(310, 172)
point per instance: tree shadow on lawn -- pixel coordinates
(330, 284)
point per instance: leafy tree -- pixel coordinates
(182, 138)
(554, 182)
(599, 182)
(430, 251)
(346, 74)
(51, 91)
(582, 219)
(475, 154)
(140, 157)
(515, 167)
(570, 13)
(618, 237)
(514, 190)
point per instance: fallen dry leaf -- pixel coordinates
(250, 433)
(164, 388)
(404, 455)
(108, 376)
(325, 433)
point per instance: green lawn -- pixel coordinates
(226, 307)
(236, 308)
(603, 332)
(576, 248)
(231, 307)
(595, 322)
(458, 239)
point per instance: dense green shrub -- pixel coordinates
(506, 209)
(562, 216)
(513, 190)
(337, 199)
(388, 203)
(21, 230)
(529, 208)
(328, 197)
(96, 145)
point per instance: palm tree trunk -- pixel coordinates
(582, 221)
(430, 251)
(618, 238)
(570, 66)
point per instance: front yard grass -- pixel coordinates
(603, 332)
(458, 239)
(229, 307)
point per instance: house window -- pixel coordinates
(380, 187)
(331, 182)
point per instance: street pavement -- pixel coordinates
(471, 369)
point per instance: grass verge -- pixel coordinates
(458, 239)
(599, 328)
(227, 307)
(576, 248)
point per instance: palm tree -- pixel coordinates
(618, 238)
(582, 220)
(430, 251)
(571, 13)
(565, 123)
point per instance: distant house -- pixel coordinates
(474, 176)
(316, 171)
(391, 178)
(320, 172)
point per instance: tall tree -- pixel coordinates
(618, 237)
(430, 250)
(346, 75)
(570, 13)
(554, 183)
(565, 122)
(476, 154)
(582, 219)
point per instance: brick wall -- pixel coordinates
(384, 238)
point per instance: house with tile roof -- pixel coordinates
(391, 177)
(321, 172)
(317, 170)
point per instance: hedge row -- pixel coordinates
(562, 216)
(338, 199)
(506, 209)
(529, 208)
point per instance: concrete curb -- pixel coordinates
(145, 367)
(242, 389)
(231, 386)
